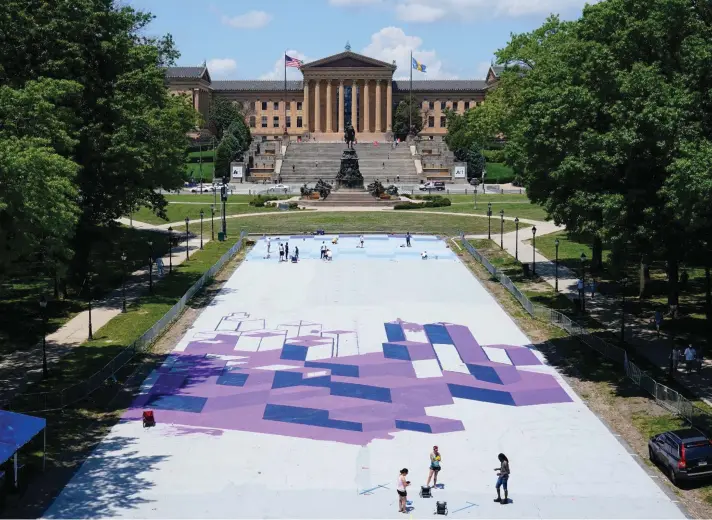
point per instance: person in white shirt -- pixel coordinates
(424, 255)
(323, 251)
(690, 357)
(269, 245)
(361, 241)
(328, 255)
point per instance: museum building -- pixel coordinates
(347, 88)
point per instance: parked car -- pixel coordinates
(684, 454)
(433, 185)
(279, 187)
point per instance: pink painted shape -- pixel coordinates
(466, 344)
(439, 424)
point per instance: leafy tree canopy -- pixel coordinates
(408, 114)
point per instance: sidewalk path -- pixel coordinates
(607, 311)
(75, 332)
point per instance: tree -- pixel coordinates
(405, 115)
(223, 113)
(610, 114)
(241, 132)
(131, 132)
(227, 150)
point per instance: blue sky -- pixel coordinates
(246, 39)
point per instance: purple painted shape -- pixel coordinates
(439, 424)
(420, 351)
(338, 331)
(541, 396)
(260, 334)
(466, 344)
(522, 357)
(506, 373)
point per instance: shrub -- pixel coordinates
(496, 156)
(434, 201)
(293, 205)
(259, 201)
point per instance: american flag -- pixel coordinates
(292, 62)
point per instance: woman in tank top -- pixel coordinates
(402, 493)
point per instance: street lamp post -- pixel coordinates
(201, 228)
(489, 221)
(501, 229)
(516, 238)
(170, 249)
(556, 263)
(223, 196)
(533, 250)
(475, 196)
(583, 282)
(212, 222)
(91, 332)
(43, 307)
(123, 281)
(624, 284)
(187, 222)
(150, 266)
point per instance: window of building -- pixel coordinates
(264, 121)
(299, 121)
(431, 105)
(253, 121)
(252, 105)
(276, 105)
(454, 106)
(467, 105)
(299, 105)
(443, 122)
(443, 106)
(275, 122)
(289, 121)
(264, 105)
(431, 121)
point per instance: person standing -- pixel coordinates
(361, 241)
(407, 239)
(296, 252)
(502, 478)
(281, 252)
(401, 488)
(269, 245)
(690, 356)
(594, 286)
(323, 251)
(675, 358)
(435, 468)
(286, 251)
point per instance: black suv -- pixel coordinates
(685, 454)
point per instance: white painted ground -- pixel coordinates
(564, 462)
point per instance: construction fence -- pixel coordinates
(665, 396)
(56, 400)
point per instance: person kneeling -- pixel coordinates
(424, 255)
(294, 259)
(328, 255)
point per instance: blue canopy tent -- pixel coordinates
(16, 430)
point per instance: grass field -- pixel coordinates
(530, 211)
(570, 249)
(294, 222)
(193, 170)
(498, 173)
(178, 212)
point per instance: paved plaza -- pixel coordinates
(304, 388)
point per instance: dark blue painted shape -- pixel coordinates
(370, 393)
(307, 416)
(321, 381)
(413, 426)
(285, 379)
(336, 369)
(232, 378)
(394, 332)
(294, 352)
(481, 394)
(181, 403)
(438, 334)
(391, 351)
(484, 373)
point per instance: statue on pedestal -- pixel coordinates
(350, 136)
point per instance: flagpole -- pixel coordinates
(410, 101)
(285, 91)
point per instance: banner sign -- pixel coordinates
(460, 172)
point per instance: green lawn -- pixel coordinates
(498, 173)
(359, 221)
(456, 198)
(529, 211)
(20, 324)
(193, 170)
(178, 212)
(205, 153)
(570, 249)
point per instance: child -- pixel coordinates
(502, 477)
(434, 467)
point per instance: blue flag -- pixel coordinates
(419, 66)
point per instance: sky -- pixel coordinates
(246, 39)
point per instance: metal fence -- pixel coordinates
(665, 396)
(56, 400)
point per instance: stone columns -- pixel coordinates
(341, 106)
(389, 106)
(293, 116)
(305, 106)
(329, 107)
(354, 105)
(379, 128)
(366, 108)
(317, 106)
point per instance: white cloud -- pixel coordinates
(412, 12)
(433, 10)
(391, 43)
(249, 20)
(221, 67)
(293, 73)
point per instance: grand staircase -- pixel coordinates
(308, 162)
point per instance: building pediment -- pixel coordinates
(348, 60)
